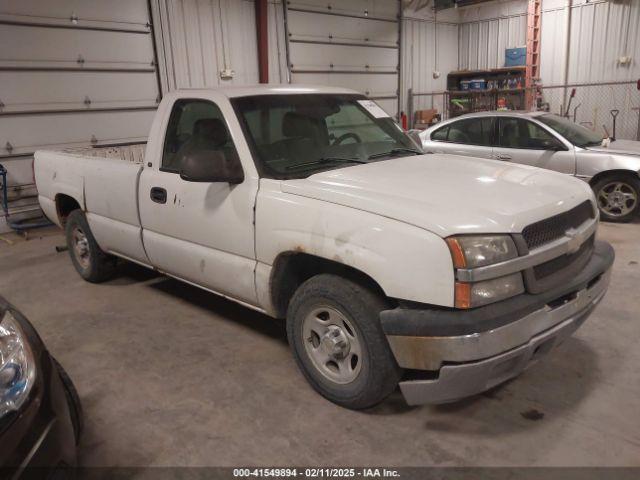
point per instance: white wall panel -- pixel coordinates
(200, 38)
(197, 39)
(71, 71)
(602, 32)
(358, 37)
(29, 90)
(427, 47)
(121, 11)
(482, 43)
(553, 46)
(277, 44)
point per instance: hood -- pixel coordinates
(619, 147)
(447, 194)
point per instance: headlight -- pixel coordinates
(473, 251)
(17, 365)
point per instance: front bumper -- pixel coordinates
(39, 437)
(472, 351)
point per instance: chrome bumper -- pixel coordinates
(486, 359)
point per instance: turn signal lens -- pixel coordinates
(463, 295)
(457, 255)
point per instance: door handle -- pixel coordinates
(158, 195)
(502, 156)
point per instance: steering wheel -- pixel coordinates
(343, 137)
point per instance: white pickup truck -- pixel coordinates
(444, 274)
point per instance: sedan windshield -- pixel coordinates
(294, 136)
(576, 134)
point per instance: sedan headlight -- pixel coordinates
(473, 251)
(17, 365)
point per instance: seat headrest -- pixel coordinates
(297, 125)
(212, 130)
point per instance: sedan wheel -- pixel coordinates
(617, 199)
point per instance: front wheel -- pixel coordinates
(618, 197)
(334, 331)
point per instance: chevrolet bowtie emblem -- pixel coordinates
(575, 240)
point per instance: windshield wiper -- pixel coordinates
(395, 151)
(323, 160)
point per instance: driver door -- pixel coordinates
(201, 232)
(522, 141)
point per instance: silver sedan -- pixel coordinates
(544, 140)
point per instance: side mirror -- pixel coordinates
(415, 136)
(211, 166)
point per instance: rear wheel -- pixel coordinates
(334, 331)
(618, 197)
(89, 260)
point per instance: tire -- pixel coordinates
(347, 314)
(73, 400)
(618, 197)
(88, 259)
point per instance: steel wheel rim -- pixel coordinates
(332, 344)
(617, 199)
(80, 247)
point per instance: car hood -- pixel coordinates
(619, 147)
(447, 194)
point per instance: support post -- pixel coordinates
(262, 36)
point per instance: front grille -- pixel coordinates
(558, 264)
(552, 228)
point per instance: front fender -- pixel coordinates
(590, 164)
(407, 262)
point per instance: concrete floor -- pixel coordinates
(171, 375)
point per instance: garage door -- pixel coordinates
(72, 73)
(351, 44)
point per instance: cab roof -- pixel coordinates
(274, 89)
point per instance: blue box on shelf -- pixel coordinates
(477, 84)
(515, 57)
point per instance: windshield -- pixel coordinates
(576, 134)
(294, 136)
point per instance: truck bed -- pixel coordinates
(102, 181)
(133, 153)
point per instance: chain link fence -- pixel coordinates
(589, 104)
(594, 105)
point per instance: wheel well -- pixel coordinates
(596, 178)
(291, 269)
(64, 206)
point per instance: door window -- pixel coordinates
(470, 131)
(440, 135)
(521, 133)
(195, 126)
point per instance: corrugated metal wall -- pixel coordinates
(198, 39)
(601, 31)
(486, 31)
(428, 47)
